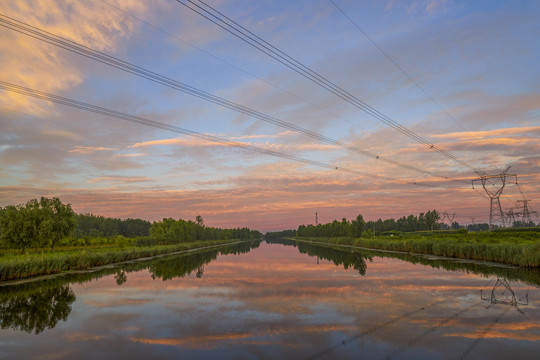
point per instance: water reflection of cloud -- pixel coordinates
(277, 303)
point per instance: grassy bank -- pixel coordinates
(20, 266)
(519, 249)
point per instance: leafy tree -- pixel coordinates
(357, 226)
(59, 220)
(432, 219)
(16, 227)
(36, 223)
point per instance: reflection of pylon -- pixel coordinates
(502, 293)
(494, 185)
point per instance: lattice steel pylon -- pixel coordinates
(493, 186)
(511, 217)
(526, 213)
(450, 217)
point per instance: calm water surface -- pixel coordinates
(276, 301)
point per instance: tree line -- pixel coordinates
(485, 226)
(46, 222)
(171, 231)
(36, 224)
(89, 225)
(422, 222)
(354, 228)
(351, 228)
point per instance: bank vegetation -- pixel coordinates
(45, 237)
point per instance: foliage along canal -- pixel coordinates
(281, 299)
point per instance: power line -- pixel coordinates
(159, 125)
(260, 44)
(47, 37)
(410, 78)
(398, 66)
(178, 38)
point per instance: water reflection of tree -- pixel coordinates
(525, 275)
(120, 277)
(275, 240)
(339, 256)
(180, 266)
(39, 305)
(35, 309)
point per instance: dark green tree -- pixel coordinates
(18, 231)
(357, 226)
(59, 220)
(37, 223)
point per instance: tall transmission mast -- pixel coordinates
(511, 217)
(493, 186)
(450, 217)
(526, 213)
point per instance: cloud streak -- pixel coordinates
(116, 169)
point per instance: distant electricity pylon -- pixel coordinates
(450, 217)
(316, 219)
(525, 213)
(511, 216)
(493, 186)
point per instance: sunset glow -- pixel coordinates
(465, 77)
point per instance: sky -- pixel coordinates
(462, 75)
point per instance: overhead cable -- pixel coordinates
(159, 125)
(234, 28)
(397, 65)
(45, 36)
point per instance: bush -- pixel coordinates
(145, 241)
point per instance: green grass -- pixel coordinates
(14, 265)
(516, 248)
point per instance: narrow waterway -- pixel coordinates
(283, 300)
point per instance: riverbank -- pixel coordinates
(521, 250)
(14, 267)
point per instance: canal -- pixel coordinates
(280, 300)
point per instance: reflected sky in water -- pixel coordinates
(276, 302)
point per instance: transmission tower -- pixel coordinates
(511, 217)
(525, 213)
(450, 217)
(316, 219)
(493, 186)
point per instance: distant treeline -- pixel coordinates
(92, 226)
(277, 235)
(422, 222)
(335, 228)
(354, 228)
(170, 231)
(48, 222)
(485, 227)
(428, 221)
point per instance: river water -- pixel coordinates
(282, 300)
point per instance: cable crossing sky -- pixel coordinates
(106, 59)
(234, 28)
(179, 130)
